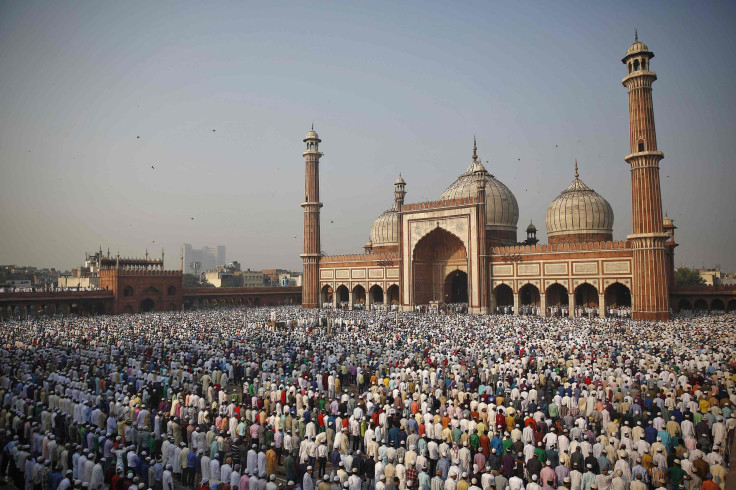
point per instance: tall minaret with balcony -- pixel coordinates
(312, 244)
(650, 295)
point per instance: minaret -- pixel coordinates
(399, 195)
(312, 244)
(650, 294)
(483, 291)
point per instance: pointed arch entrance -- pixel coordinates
(586, 295)
(586, 300)
(617, 295)
(557, 295)
(358, 297)
(700, 304)
(684, 305)
(504, 298)
(456, 287)
(343, 295)
(376, 294)
(618, 300)
(327, 293)
(529, 295)
(435, 256)
(147, 305)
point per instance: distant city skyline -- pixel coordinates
(119, 128)
(207, 257)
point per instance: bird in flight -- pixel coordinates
(137, 137)
(152, 167)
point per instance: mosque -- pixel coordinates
(463, 247)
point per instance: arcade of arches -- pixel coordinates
(706, 304)
(359, 297)
(440, 268)
(557, 297)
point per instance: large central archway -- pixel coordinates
(147, 305)
(435, 257)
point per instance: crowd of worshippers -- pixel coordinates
(379, 401)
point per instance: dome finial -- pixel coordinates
(576, 169)
(636, 35)
(475, 150)
(312, 125)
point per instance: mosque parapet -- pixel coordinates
(444, 203)
(374, 257)
(562, 247)
(139, 272)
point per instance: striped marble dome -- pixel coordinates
(502, 210)
(579, 210)
(385, 230)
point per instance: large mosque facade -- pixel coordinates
(463, 247)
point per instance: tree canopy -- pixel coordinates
(686, 276)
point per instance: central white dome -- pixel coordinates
(502, 210)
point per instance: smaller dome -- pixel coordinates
(385, 230)
(531, 228)
(579, 211)
(312, 135)
(400, 181)
(637, 47)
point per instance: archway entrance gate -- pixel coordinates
(440, 263)
(456, 287)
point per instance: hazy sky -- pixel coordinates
(390, 86)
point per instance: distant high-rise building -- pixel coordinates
(203, 259)
(209, 261)
(221, 260)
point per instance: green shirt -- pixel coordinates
(474, 441)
